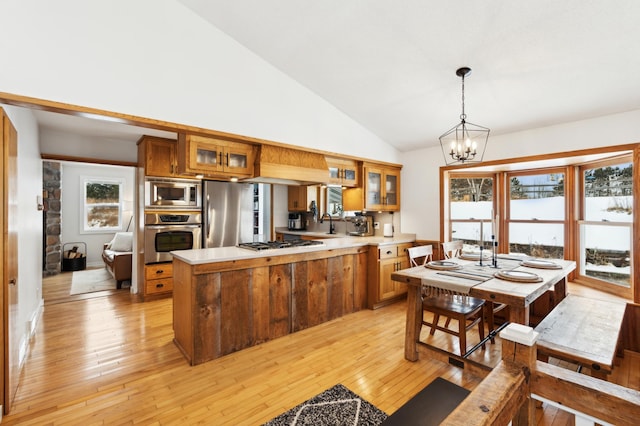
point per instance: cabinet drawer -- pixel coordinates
(402, 250)
(387, 252)
(158, 270)
(396, 250)
(159, 286)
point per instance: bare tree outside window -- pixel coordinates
(102, 205)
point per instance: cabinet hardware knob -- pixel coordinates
(159, 271)
(388, 251)
(159, 285)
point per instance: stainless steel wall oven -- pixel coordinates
(167, 232)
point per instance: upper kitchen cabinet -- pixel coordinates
(343, 172)
(158, 156)
(300, 197)
(380, 190)
(214, 157)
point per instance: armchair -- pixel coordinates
(117, 255)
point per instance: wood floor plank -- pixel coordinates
(111, 360)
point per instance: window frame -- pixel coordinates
(589, 281)
(565, 222)
(450, 221)
(84, 207)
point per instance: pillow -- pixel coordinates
(123, 241)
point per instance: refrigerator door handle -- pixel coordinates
(208, 224)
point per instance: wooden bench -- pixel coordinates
(582, 331)
(430, 406)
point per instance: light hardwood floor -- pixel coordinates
(111, 360)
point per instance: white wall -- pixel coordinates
(157, 59)
(72, 202)
(421, 171)
(30, 227)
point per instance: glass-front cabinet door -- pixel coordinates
(210, 156)
(373, 189)
(343, 172)
(205, 157)
(391, 190)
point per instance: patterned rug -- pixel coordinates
(335, 406)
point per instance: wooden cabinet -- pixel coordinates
(158, 279)
(382, 290)
(380, 190)
(300, 197)
(158, 156)
(214, 157)
(223, 307)
(343, 172)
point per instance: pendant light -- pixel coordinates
(466, 142)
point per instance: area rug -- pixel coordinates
(335, 406)
(92, 280)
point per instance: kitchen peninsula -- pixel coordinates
(229, 298)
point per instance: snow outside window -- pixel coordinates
(102, 206)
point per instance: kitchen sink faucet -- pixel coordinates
(332, 229)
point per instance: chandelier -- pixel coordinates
(466, 142)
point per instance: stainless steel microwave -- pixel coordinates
(172, 193)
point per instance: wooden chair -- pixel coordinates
(452, 249)
(465, 309)
(417, 252)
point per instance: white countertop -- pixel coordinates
(222, 254)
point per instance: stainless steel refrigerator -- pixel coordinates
(227, 213)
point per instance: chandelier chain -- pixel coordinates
(463, 116)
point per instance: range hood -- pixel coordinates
(289, 166)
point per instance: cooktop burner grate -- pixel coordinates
(269, 245)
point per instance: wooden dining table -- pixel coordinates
(479, 281)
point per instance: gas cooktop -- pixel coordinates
(268, 245)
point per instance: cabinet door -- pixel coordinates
(160, 157)
(300, 197)
(373, 189)
(391, 190)
(238, 159)
(350, 175)
(296, 198)
(386, 286)
(334, 173)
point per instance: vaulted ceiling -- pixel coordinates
(390, 65)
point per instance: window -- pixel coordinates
(471, 207)
(102, 209)
(536, 213)
(605, 229)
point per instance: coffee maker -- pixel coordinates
(297, 222)
(362, 224)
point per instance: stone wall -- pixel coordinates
(52, 177)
